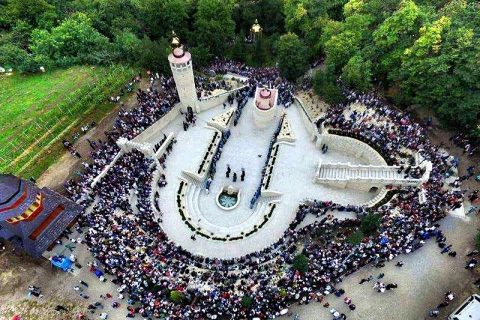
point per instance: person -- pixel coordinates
(242, 176)
(60, 308)
(370, 277)
(391, 286)
(115, 224)
(234, 177)
(433, 313)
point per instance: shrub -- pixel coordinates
(300, 263)
(247, 301)
(176, 296)
(324, 84)
(370, 224)
(356, 237)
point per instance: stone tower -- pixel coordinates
(182, 69)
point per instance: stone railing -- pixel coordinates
(286, 132)
(192, 217)
(206, 161)
(151, 134)
(351, 146)
(309, 123)
(105, 170)
(215, 100)
(164, 146)
(222, 121)
(362, 177)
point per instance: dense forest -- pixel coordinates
(422, 52)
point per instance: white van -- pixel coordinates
(469, 310)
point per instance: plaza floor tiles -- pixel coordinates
(292, 176)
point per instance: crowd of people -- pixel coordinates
(126, 237)
(273, 140)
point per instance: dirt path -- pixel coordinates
(67, 165)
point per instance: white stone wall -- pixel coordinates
(105, 170)
(309, 125)
(201, 176)
(351, 146)
(151, 133)
(215, 100)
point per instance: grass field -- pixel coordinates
(38, 111)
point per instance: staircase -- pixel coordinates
(342, 173)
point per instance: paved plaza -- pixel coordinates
(246, 148)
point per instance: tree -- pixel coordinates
(396, 33)
(162, 16)
(177, 296)
(153, 54)
(300, 263)
(357, 73)
(261, 53)
(369, 224)
(127, 45)
(292, 56)
(29, 11)
(11, 55)
(239, 51)
(214, 26)
(297, 15)
(73, 41)
(325, 85)
(202, 57)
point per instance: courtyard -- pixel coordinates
(219, 190)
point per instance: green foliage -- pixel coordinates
(283, 293)
(421, 52)
(163, 16)
(357, 73)
(325, 85)
(29, 11)
(214, 26)
(73, 41)
(202, 56)
(292, 56)
(127, 45)
(69, 98)
(11, 55)
(176, 296)
(246, 301)
(356, 237)
(300, 263)
(369, 224)
(153, 54)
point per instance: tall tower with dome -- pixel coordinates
(181, 65)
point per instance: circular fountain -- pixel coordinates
(228, 198)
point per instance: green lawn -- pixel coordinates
(38, 111)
